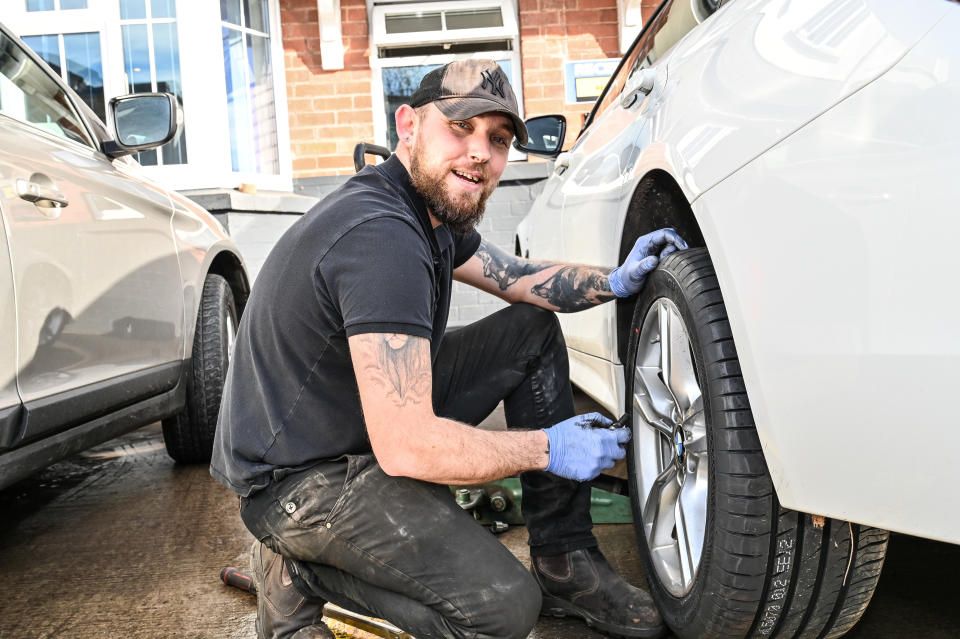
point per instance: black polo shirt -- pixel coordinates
(363, 260)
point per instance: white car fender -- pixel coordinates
(834, 290)
(742, 85)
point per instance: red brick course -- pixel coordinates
(330, 111)
(553, 32)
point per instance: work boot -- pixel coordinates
(282, 611)
(581, 583)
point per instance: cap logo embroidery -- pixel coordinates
(495, 81)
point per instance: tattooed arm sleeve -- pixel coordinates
(395, 381)
(558, 287)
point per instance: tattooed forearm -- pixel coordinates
(565, 287)
(402, 367)
(505, 269)
(573, 288)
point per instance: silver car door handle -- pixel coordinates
(640, 82)
(562, 163)
(39, 194)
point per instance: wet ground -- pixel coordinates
(118, 542)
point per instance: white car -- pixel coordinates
(791, 376)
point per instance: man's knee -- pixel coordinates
(536, 318)
(541, 328)
(510, 608)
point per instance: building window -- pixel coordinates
(76, 58)
(236, 122)
(29, 94)
(399, 83)
(248, 67)
(151, 63)
(54, 5)
(412, 39)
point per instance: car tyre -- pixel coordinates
(723, 558)
(188, 435)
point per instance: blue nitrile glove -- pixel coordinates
(627, 279)
(583, 446)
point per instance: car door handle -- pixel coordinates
(45, 196)
(562, 163)
(639, 83)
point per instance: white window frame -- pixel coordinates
(379, 38)
(95, 18)
(148, 22)
(204, 84)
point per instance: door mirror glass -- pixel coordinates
(546, 134)
(142, 121)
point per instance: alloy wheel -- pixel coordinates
(670, 447)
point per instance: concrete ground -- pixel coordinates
(118, 542)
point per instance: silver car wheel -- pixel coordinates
(670, 447)
(231, 335)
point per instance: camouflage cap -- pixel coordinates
(463, 89)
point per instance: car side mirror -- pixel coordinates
(142, 121)
(546, 134)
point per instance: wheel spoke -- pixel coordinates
(696, 428)
(231, 338)
(655, 420)
(684, 558)
(658, 512)
(682, 377)
(652, 396)
(692, 518)
(666, 354)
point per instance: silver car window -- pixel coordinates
(29, 94)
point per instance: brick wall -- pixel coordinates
(330, 111)
(553, 32)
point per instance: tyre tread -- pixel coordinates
(188, 435)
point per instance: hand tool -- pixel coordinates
(238, 579)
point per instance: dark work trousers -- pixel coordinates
(401, 549)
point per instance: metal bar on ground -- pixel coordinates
(377, 627)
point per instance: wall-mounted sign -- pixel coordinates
(585, 79)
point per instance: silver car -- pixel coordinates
(120, 299)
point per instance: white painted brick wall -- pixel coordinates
(505, 208)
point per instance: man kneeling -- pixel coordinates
(347, 410)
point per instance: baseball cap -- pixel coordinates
(463, 89)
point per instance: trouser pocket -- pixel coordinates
(312, 497)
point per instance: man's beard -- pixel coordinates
(462, 214)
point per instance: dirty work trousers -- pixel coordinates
(401, 549)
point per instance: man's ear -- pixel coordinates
(407, 123)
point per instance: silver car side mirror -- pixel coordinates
(141, 121)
